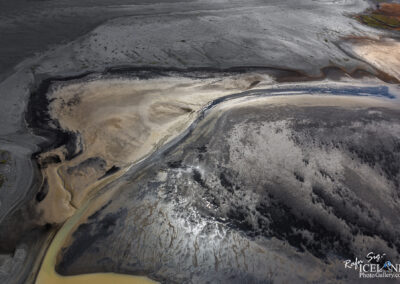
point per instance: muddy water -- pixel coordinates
(119, 122)
(141, 116)
(151, 113)
(47, 273)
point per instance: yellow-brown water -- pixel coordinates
(161, 110)
(121, 121)
(47, 273)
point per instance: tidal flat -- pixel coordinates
(198, 141)
(301, 158)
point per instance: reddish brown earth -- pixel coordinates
(387, 16)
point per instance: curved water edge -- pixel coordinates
(47, 125)
(38, 118)
(47, 269)
(48, 275)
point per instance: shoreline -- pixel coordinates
(105, 192)
(186, 133)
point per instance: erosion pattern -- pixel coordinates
(136, 137)
(254, 188)
(112, 123)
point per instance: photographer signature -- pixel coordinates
(371, 257)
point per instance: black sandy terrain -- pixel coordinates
(256, 193)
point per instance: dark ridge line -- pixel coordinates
(281, 74)
(109, 172)
(287, 74)
(157, 71)
(38, 118)
(37, 115)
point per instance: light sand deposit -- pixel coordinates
(383, 55)
(47, 273)
(120, 122)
